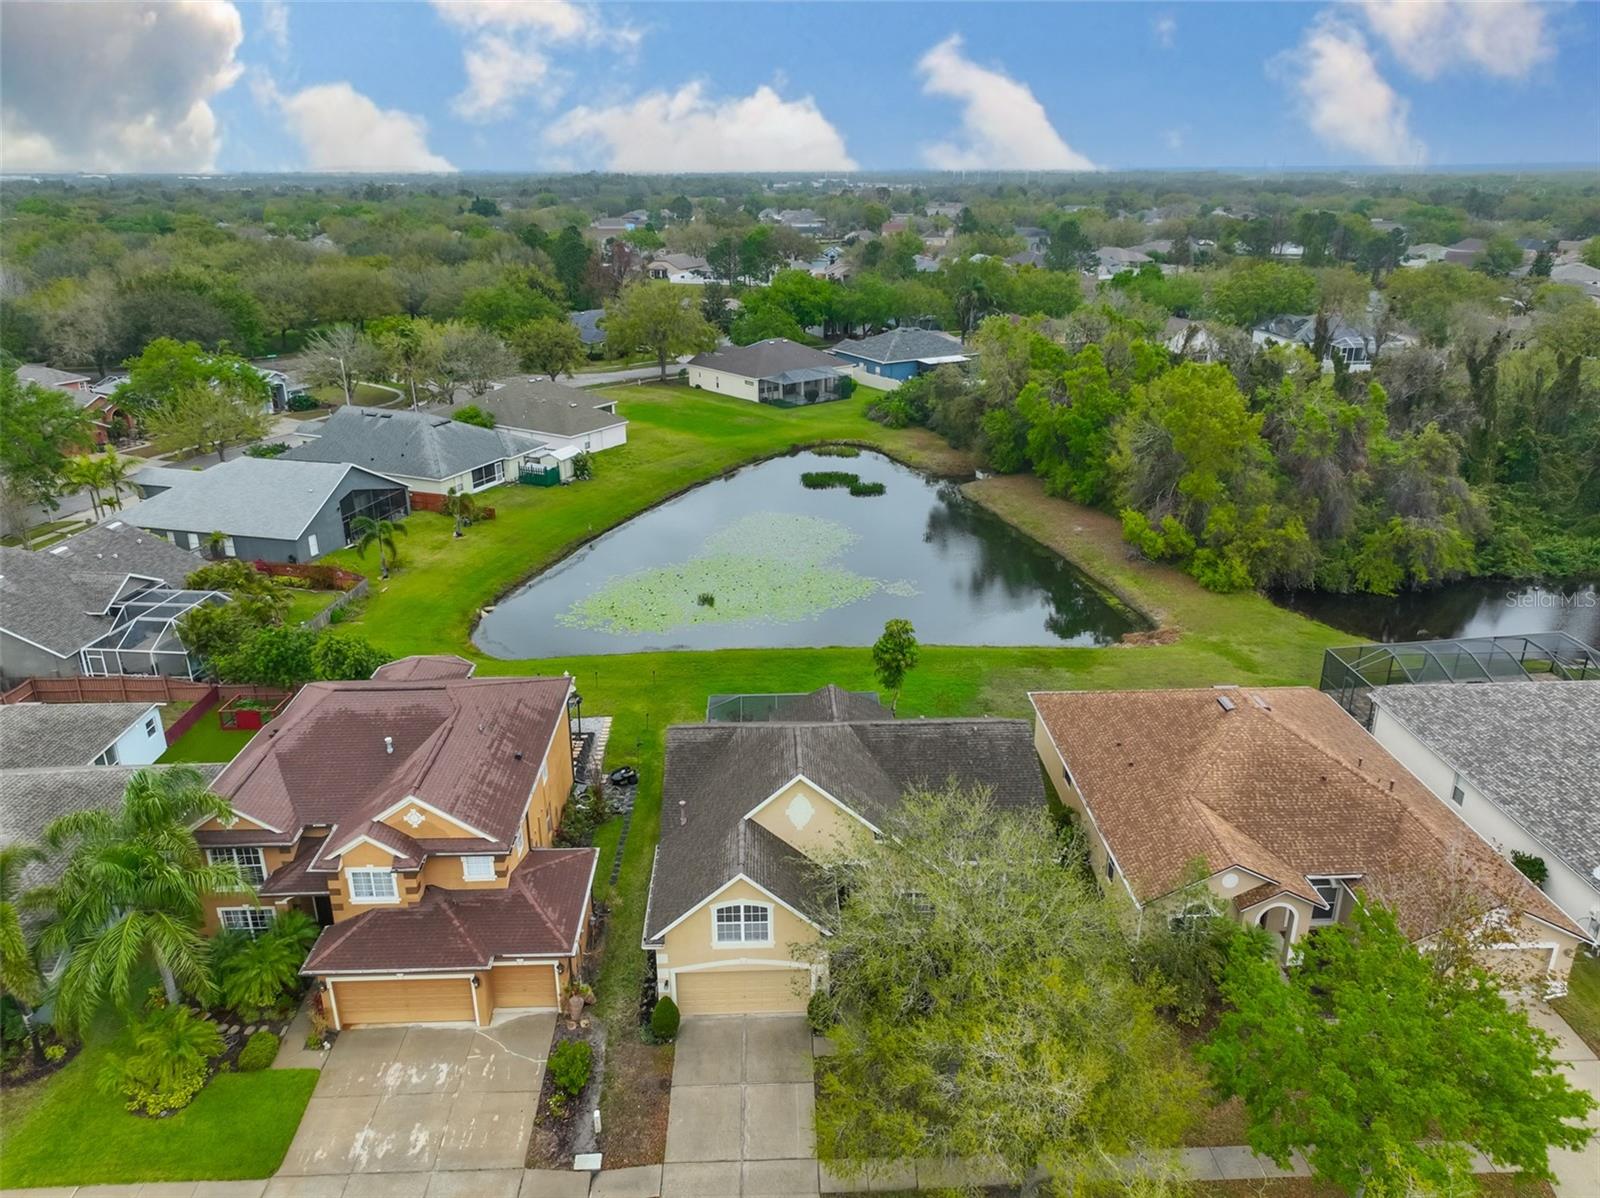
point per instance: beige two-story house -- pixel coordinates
(413, 815)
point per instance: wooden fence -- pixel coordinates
(136, 688)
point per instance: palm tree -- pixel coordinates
(114, 469)
(19, 969)
(82, 473)
(379, 532)
(462, 506)
(131, 893)
(216, 542)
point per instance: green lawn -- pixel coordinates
(206, 741)
(240, 1125)
(305, 604)
(1581, 1007)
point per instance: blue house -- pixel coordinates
(901, 354)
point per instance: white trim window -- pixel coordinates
(252, 921)
(252, 866)
(477, 868)
(1328, 890)
(488, 474)
(372, 884)
(741, 923)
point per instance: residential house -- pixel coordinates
(60, 735)
(948, 211)
(107, 422)
(773, 371)
(1570, 250)
(1518, 763)
(744, 809)
(1424, 254)
(1277, 808)
(414, 820)
(690, 269)
(1356, 347)
(554, 413)
(103, 602)
(1385, 226)
(1466, 251)
(1162, 246)
(1034, 239)
(1191, 339)
(426, 452)
(49, 376)
(272, 509)
(1577, 274)
(615, 226)
(589, 330)
(801, 220)
(901, 354)
(1112, 260)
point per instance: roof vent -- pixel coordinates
(1260, 702)
(388, 744)
(683, 812)
(517, 753)
(1224, 702)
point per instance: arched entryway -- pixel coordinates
(1281, 921)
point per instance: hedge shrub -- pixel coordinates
(259, 1052)
(664, 1019)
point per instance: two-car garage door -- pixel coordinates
(404, 1000)
(742, 991)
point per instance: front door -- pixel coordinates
(322, 909)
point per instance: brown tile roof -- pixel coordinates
(540, 913)
(1284, 785)
(472, 748)
(426, 667)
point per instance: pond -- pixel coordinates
(1477, 607)
(758, 560)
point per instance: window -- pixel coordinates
(1111, 868)
(252, 921)
(194, 539)
(252, 868)
(488, 475)
(227, 547)
(150, 726)
(1328, 891)
(372, 885)
(1457, 795)
(477, 869)
(743, 923)
(109, 757)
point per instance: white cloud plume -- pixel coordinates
(115, 87)
(1345, 98)
(343, 130)
(690, 130)
(275, 23)
(1003, 125)
(1166, 30)
(506, 56)
(1504, 38)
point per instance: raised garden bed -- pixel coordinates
(249, 715)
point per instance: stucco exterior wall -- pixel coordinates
(737, 385)
(690, 943)
(803, 817)
(143, 742)
(19, 660)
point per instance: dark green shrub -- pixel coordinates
(585, 812)
(847, 387)
(569, 1066)
(820, 1011)
(664, 1019)
(301, 402)
(267, 449)
(1533, 868)
(259, 1052)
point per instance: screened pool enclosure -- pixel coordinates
(144, 635)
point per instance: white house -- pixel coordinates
(776, 370)
(562, 417)
(1519, 762)
(64, 735)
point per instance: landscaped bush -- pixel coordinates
(585, 812)
(165, 1065)
(259, 1052)
(261, 976)
(301, 402)
(820, 1011)
(346, 657)
(267, 449)
(847, 387)
(1533, 868)
(583, 467)
(664, 1019)
(569, 1066)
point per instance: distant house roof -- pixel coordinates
(58, 598)
(1531, 748)
(1027, 258)
(722, 771)
(49, 376)
(273, 498)
(1279, 782)
(906, 345)
(423, 668)
(412, 444)
(588, 322)
(765, 359)
(161, 476)
(62, 734)
(544, 408)
(1113, 256)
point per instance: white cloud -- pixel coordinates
(1166, 30)
(1345, 98)
(689, 130)
(275, 23)
(1003, 126)
(1174, 138)
(115, 87)
(1505, 38)
(506, 55)
(343, 130)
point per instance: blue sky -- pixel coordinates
(558, 84)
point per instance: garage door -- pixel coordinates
(524, 986)
(405, 1000)
(742, 991)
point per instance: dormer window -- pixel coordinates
(478, 868)
(372, 884)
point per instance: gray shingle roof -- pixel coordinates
(722, 771)
(544, 408)
(48, 376)
(765, 359)
(414, 444)
(274, 498)
(903, 345)
(62, 734)
(1532, 749)
(588, 322)
(53, 597)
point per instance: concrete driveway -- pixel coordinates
(418, 1099)
(740, 1122)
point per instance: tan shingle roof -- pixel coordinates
(1285, 785)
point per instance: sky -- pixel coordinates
(564, 85)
